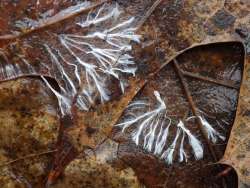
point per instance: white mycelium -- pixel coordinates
(151, 129)
(110, 60)
(84, 63)
(212, 134)
(193, 141)
(149, 120)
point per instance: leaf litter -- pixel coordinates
(149, 135)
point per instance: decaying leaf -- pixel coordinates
(82, 50)
(91, 63)
(237, 152)
(187, 117)
(84, 63)
(28, 132)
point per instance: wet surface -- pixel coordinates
(25, 15)
(213, 101)
(174, 26)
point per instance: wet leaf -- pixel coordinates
(29, 38)
(102, 167)
(185, 120)
(84, 59)
(237, 152)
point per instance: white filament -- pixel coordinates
(115, 38)
(149, 121)
(146, 117)
(112, 61)
(150, 137)
(109, 61)
(152, 129)
(9, 71)
(182, 153)
(60, 68)
(212, 134)
(194, 142)
(161, 139)
(85, 68)
(168, 154)
(99, 18)
(64, 103)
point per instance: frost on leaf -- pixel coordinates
(87, 61)
(152, 131)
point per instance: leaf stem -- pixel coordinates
(193, 107)
(229, 84)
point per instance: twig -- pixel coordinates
(27, 157)
(196, 113)
(60, 165)
(193, 107)
(219, 82)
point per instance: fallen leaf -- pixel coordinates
(84, 59)
(173, 27)
(237, 152)
(190, 103)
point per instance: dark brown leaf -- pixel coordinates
(203, 81)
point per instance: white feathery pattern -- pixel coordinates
(108, 60)
(193, 141)
(212, 134)
(86, 63)
(168, 154)
(152, 129)
(147, 120)
(99, 17)
(182, 154)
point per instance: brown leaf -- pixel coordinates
(28, 132)
(238, 149)
(80, 77)
(202, 81)
(174, 26)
